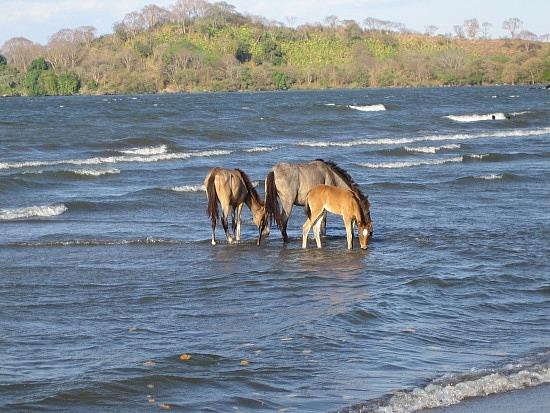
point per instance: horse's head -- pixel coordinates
(262, 222)
(365, 228)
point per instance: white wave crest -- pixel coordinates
(368, 108)
(439, 395)
(429, 138)
(115, 159)
(33, 211)
(476, 117)
(431, 149)
(95, 172)
(147, 150)
(408, 164)
(489, 177)
(188, 188)
(260, 149)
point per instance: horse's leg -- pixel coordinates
(317, 229)
(349, 231)
(305, 232)
(213, 232)
(324, 225)
(225, 214)
(239, 212)
(285, 215)
(233, 222)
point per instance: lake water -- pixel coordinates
(107, 274)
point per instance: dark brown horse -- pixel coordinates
(232, 188)
(287, 185)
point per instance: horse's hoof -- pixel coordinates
(213, 242)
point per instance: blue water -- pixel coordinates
(107, 274)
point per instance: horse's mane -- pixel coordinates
(346, 177)
(249, 187)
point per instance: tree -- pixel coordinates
(471, 28)
(20, 52)
(154, 16)
(185, 12)
(430, 30)
(331, 22)
(512, 25)
(3, 60)
(485, 29)
(459, 31)
(65, 47)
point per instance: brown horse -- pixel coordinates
(349, 204)
(232, 188)
(287, 185)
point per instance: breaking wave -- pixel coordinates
(408, 164)
(368, 108)
(476, 117)
(95, 172)
(33, 211)
(431, 149)
(95, 242)
(188, 188)
(260, 149)
(148, 150)
(430, 138)
(115, 159)
(453, 389)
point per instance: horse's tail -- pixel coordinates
(212, 198)
(271, 202)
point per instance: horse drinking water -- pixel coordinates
(288, 184)
(351, 205)
(232, 188)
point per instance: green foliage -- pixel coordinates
(3, 60)
(68, 83)
(143, 49)
(222, 50)
(280, 80)
(10, 81)
(39, 64)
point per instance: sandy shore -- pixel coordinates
(531, 400)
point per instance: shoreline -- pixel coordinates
(534, 399)
(540, 86)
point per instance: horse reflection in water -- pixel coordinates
(233, 189)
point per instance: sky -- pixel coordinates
(37, 20)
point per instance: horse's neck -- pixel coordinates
(339, 182)
(252, 203)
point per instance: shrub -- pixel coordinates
(68, 83)
(39, 64)
(280, 80)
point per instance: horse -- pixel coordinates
(232, 188)
(288, 184)
(351, 205)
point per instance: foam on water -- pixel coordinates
(368, 108)
(429, 138)
(408, 164)
(490, 177)
(95, 242)
(148, 150)
(188, 188)
(33, 211)
(431, 149)
(260, 149)
(461, 388)
(476, 117)
(95, 172)
(115, 159)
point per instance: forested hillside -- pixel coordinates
(199, 46)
